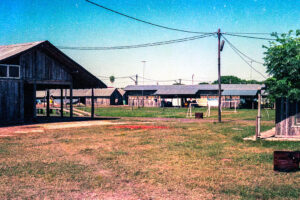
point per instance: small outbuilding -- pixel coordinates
(287, 118)
(26, 68)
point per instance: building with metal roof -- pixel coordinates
(26, 68)
(242, 93)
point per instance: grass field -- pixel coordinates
(195, 160)
(245, 114)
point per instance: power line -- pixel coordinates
(250, 37)
(138, 45)
(143, 21)
(237, 52)
(251, 59)
(248, 33)
(149, 79)
(121, 77)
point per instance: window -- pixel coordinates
(3, 71)
(9, 71)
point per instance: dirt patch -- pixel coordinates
(145, 127)
(16, 130)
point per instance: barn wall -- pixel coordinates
(11, 101)
(285, 119)
(39, 66)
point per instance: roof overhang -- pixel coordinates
(81, 77)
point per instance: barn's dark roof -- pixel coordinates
(81, 77)
(7, 51)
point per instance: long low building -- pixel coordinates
(102, 97)
(242, 95)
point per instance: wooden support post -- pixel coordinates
(219, 76)
(61, 102)
(34, 101)
(71, 100)
(93, 104)
(48, 103)
(258, 115)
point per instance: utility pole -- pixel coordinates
(258, 118)
(220, 48)
(136, 79)
(193, 79)
(251, 70)
(144, 64)
(219, 75)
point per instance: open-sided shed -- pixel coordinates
(102, 96)
(26, 68)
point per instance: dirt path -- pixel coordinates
(40, 128)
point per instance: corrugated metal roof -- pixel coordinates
(177, 91)
(170, 87)
(141, 87)
(239, 93)
(7, 51)
(242, 86)
(122, 92)
(228, 89)
(106, 92)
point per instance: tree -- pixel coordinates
(282, 60)
(235, 80)
(112, 79)
(203, 83)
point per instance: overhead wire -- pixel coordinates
(143, 21)
(237, 52)
(139, 45)
(121, 77)
(245, 33)
(251, 59)
(250, 37)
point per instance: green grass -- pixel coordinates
(195, 160)
(242, 114)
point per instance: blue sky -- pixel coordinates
(78, 23)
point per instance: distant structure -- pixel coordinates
(244, 95)
(26, 68)
(102, 97)
(166, 95)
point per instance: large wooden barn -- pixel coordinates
(26, 68)
(287, 118)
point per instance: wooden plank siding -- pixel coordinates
(286, 119)
(10, 101)
(38, 66)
